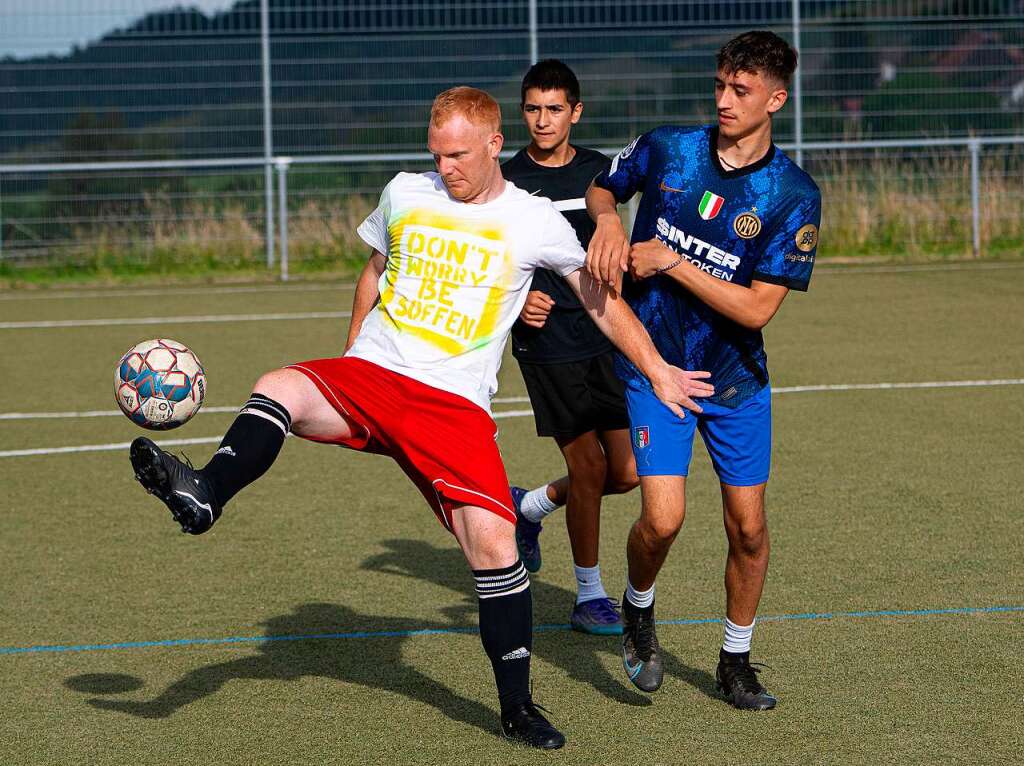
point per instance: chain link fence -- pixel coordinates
(135, 134)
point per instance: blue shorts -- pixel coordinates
(739, 440)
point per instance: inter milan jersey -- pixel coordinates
(569, 334)
(759, 222)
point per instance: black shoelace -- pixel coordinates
(644, 639)
(533, 707)
(743, 676)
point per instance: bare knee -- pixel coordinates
(620, 484)
(587, 473)
(658, 533)
(749, 536)
(311, 413)
(284, 386)
(487, 540)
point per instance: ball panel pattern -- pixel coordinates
(159, 384)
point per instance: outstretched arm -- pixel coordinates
(367, 294)
(752, 307)
(675, 387)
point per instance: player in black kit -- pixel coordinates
(566, 362)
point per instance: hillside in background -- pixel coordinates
(179, 83)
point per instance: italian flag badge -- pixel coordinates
(710, 205)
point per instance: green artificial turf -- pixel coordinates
(901, 500)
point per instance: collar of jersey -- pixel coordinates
(534, 165)
(440, 186)
(746, 170)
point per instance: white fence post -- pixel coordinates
(534, 45)
(975, 148)
(282, 164)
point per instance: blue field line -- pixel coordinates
(470, 630)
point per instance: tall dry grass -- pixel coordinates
(207, 234)
(919, 206)
(873, 204)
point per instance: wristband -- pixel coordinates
(672, 265)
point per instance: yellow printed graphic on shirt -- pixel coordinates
(446, 279)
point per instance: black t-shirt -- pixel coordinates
(568, 335)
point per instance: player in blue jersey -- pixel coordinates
(727, 226)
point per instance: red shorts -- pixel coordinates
(444, 443)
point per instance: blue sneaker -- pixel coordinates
(599, 617)
(527, 533)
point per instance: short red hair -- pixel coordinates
(477, 106)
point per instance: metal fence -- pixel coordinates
(162, 137)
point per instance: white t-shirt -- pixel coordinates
(457, 277)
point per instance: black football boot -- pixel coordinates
(183, 489)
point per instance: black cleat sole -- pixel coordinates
(151, 473)
(526, 726)
(550, 743)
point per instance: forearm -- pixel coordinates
(366, 296)
(740, 304)
(616, 320)
(601, 202)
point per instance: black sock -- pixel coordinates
(506, 629)
(249, 447)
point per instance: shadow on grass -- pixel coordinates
(577, 654)
(375, 662)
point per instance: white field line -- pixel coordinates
(117, 446)
(23, 295)
(515, 413)
(839, 270)
(823, 268)
(884, 386)
(104, 447)
(175, 320)
(511, 414)
(208, 410)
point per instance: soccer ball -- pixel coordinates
(159, 384)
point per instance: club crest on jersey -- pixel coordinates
(747, 225)
(710, 205)
(641, 436)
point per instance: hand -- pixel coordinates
(538, 306)
(646, 258)
(676, 389)
(608, 254)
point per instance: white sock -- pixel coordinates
(588, 583)
(536, 504)
(639, 598)
(737, 637)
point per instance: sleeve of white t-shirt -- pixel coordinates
(560, 249)
(374, 230)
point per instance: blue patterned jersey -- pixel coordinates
(756, 223)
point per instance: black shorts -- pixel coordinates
(572, 398)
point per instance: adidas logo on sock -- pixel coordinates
(519, 654)
(226, 450)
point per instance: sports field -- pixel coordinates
(328, 618)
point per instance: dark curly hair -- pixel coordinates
(759, 52)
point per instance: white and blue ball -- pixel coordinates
(159, 384)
